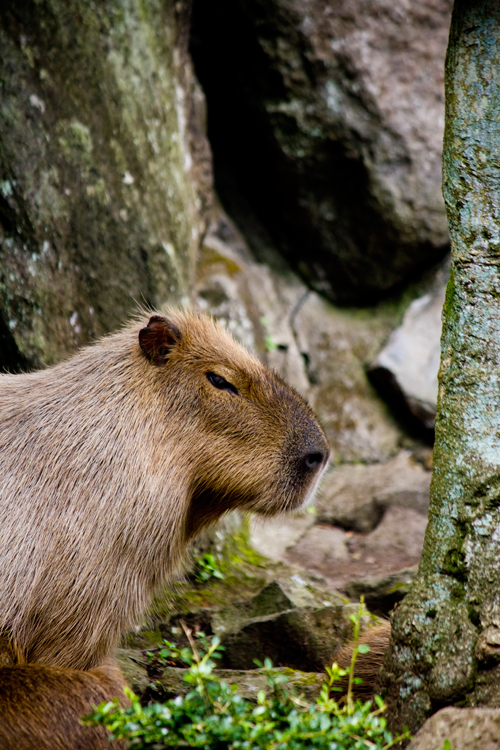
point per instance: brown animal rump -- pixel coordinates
(113, 460)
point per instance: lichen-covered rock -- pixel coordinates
(283, 593)
(337, 346)
(104, 170)
(332, 132)
(246, 682)
(131, 662)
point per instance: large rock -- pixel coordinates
(464, 728)
(332, 132)
(105, 171)
(300, 638)
(337, 345)
(406, 369)
(356, 497)
(344, 558)
(273, 536)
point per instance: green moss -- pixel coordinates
(75, 141)
(301, 679)
(95, 158)
(244, 573)
(454, 564)
(449, 300)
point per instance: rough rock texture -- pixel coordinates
(342, 558)
(304, 638)
(356, 497)
(407, 367)
(332, 132)
(464, 728)
(321, 549)
(400, 533)
(337, 346)
(104, 169)
(273, 536)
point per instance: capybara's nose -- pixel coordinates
(312, 461)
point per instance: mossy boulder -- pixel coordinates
(104, 170)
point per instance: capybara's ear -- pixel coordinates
(158, 338)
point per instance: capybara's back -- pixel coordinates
(111, 461)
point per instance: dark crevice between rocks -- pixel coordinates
(11, 359)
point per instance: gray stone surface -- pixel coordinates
(400, 533)
(319, 349)
(382, 593)
(337, 345)
(409, 362)
(272, 537)
(357, 496)
(464, 728)
(321, 548)
(281, 594)
(131, 662)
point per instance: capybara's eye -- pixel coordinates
(219, 382)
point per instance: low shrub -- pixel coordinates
(214, 716)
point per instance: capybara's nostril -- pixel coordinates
(313, 460)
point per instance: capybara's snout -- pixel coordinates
(310, 452)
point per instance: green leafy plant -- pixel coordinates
(207, 567)
(214, 716)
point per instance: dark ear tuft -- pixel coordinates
(158, 338)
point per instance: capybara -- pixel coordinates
(40, 706)
(111, 461)
(367, 665)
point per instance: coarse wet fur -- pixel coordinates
(113, 460)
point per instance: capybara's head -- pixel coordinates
(251, 441)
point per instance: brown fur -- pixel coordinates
(367, 665)
(40, 707)
(111, 461)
